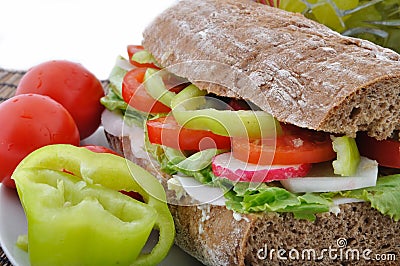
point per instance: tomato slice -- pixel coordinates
(385, 152)
(166, 131)
(294, 146)
(135, 94)
(132, 49)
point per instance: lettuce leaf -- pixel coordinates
(384, 197)
(244, 198)
(113, 102)
(172, 161)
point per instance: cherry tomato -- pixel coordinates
(135, 94)
(70, 84)
(132, 49)
(30, 122)
(385, 152)
(166, 131)
(294, 146)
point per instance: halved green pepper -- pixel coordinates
(77, 216)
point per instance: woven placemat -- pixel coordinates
(8, 83)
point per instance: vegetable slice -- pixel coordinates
(323, 181)
(192, 110)
(386, 152)
(139, 57)
(348, 156)
(166, 131)
(226, 166)
(135, 94)
(294, 146)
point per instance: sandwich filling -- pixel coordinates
(251, 161)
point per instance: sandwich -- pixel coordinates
(269, 132)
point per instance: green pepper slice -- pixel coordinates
(348, 157)
(77, 216)
(190, 109)
(156, 88)
(144, 57)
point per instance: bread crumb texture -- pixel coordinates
(225, 241)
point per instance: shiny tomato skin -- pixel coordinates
(166, 131)
(294, 146)
(385, 152)
(70, 84)
(31, 121)
(132, 49)
(135, 94)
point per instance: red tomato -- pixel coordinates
(100, 149)
(70, 84)
(30, 122)
(294, 146)
(135, 94)
(385, 152)
(132, 49)
(166, 131)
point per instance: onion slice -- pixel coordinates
(201, 192)
(322, 179)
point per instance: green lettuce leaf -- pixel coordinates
(385, 196)
(245, 198)
(113, 102)
(172, 161)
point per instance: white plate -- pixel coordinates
(13, 223)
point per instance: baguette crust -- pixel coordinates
(214, 236)
(300, 71)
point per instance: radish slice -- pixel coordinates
(322, 179)
(226, 166)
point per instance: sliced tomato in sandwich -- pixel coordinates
(166, 131)
(132, 49)
(135, 94)
(295, 146)
(385, 152)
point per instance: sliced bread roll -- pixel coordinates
(301, 72)
(357, 235)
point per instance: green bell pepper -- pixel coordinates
(190, 107)
(144, 57)
(156, 88)
(348, 156)
(77, 216)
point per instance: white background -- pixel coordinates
(90, 32)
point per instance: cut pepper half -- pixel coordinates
(75, 212)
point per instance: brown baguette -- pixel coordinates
(301, 72)
(212, 235)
